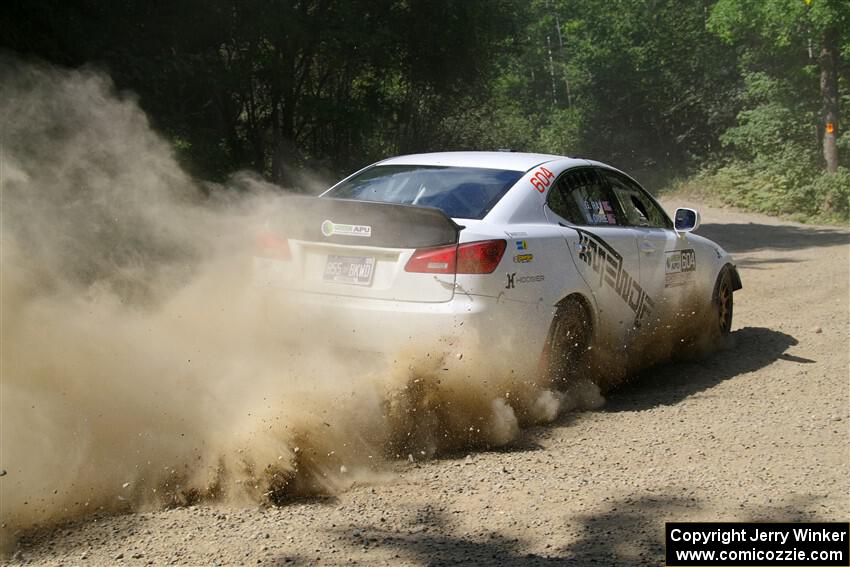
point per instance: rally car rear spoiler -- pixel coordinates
(363, 223)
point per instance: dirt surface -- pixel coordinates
(758, 431)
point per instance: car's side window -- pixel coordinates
(580, 196)
(639, 209)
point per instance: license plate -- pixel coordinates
(355, 270)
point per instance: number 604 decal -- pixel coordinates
(542, 179)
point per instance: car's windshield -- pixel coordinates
(460, 192)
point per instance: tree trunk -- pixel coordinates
(829, 97)
(284, 154)
(277, 153)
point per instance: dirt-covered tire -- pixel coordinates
(569, 341)
(724, 303)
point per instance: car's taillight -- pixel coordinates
(272, 246)
(442, 260)
(470, 258)
(480, 257)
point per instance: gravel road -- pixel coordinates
(758, 431)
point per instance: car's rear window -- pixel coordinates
(460, 192)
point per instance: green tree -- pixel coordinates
(280, 84)
(777, 34)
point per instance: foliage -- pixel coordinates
(773, 133)
(661, 88)
(821, 198)
(284, 83)
(831, 194)
(776, 149)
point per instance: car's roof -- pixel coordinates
(514, 161)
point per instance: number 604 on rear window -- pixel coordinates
(542, 179)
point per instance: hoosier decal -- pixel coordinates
(513, 280)
(608, 263)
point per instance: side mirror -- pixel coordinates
(687, 220)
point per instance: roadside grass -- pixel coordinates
(825, 199)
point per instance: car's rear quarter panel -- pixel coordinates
(535, 273)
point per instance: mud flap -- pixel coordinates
(736, 277)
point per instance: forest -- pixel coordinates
(741, 101)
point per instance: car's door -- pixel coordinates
(604, 250)
(667, 262)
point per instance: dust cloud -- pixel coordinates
(139, 368)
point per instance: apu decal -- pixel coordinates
(608, 263)
(679, 268)
(523, 258)
(542, 179)
(330, 228)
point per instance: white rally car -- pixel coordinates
(551, 257)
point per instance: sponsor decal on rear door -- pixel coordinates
(608, 263)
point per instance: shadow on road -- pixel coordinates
(747, 350)
(628, 534)
(739, 238)
(763, 263)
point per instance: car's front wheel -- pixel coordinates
(724, 303)
(569, 342)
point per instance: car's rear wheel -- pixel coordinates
(724, 303)
(569, 342)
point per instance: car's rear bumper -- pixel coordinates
(467, 323)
